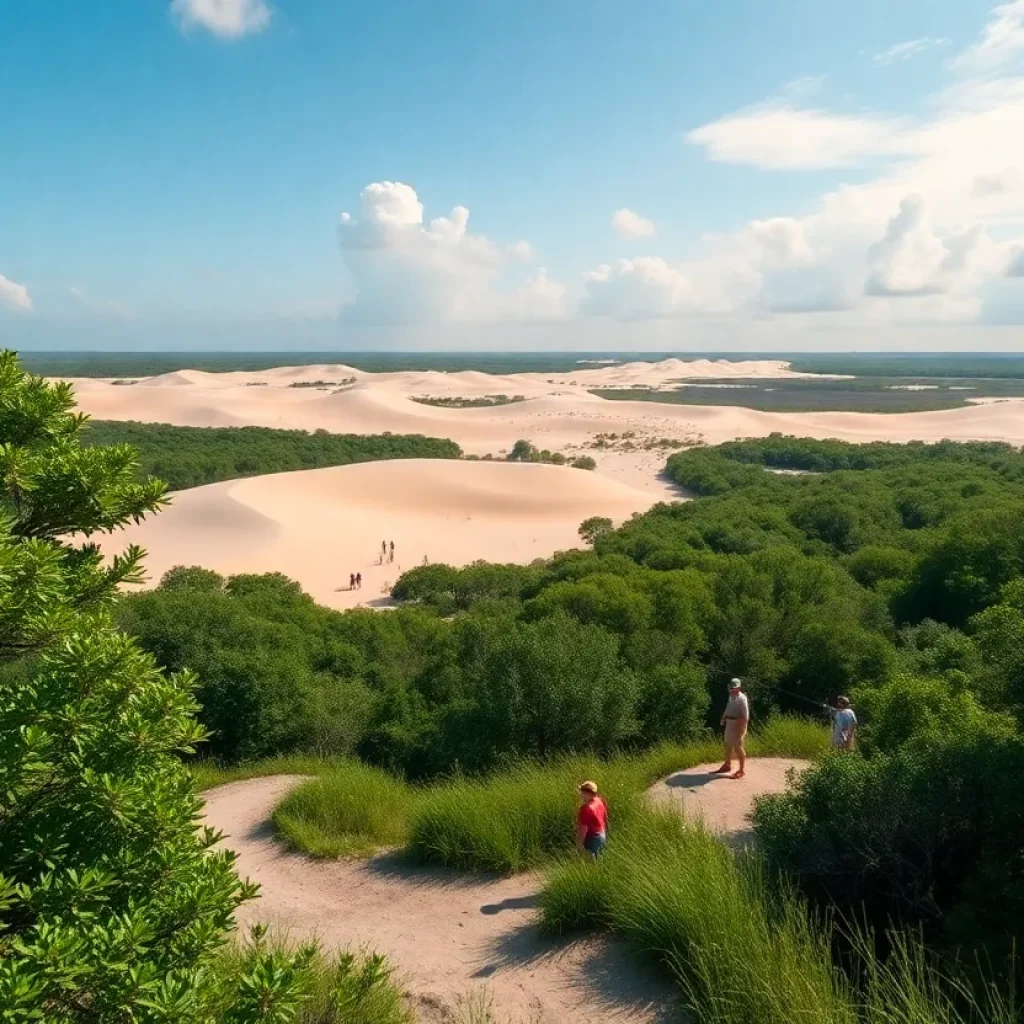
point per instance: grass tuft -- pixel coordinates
(351, 810)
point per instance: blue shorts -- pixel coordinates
(594, 844)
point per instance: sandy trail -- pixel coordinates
(724, 804)
(451, 934)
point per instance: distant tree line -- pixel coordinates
(191, 456)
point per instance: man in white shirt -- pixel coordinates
(735, 719)
(844, 725)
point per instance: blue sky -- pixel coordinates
(793, 175)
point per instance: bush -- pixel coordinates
(343, 988)
(112, 905)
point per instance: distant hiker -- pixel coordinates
(383, 549)
(351, 581)
(844, 725)
(359, 581)
(592, 820)
(392, 556)
(426, 561)
(735, 719)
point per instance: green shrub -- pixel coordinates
(351, 809)
(340, 988)
(113, 907)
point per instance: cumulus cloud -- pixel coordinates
(916, 242)
(14, 296)
(228, 19)
(779, 136)
(628, 224)
(406, 270)
(909, 48)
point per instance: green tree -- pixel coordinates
(592, 529)
(112, 904)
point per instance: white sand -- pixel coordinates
(559, 412)
(319, 526)
(451, 935)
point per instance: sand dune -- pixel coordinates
(319, 526)
(559, 412)
(321, 532)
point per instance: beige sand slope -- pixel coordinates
(451, 934)
(319, 526)
(558, 412)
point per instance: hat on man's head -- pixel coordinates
(588, 787)
(735, 684)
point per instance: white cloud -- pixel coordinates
(1001, 41)
(642, 288)
(906, 50)
(14, 296)
(228, 19)
(779, 136)
(407, 271)
(631, 225)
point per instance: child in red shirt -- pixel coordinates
(592, 820)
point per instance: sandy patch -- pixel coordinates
(320, 526)
(722, 803)
(448, 935)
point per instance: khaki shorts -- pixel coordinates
(735, 732)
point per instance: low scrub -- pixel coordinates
(743, 949)
(350, 810)
(304, 985)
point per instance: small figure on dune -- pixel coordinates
(391, 556)
(359, 581)
(844, 725)
(735, 719)
(591, 821)
(351, 581)
(426, 561)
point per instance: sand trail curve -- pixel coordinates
(448, 935)
(451, 934)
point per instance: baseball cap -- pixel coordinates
(735, 684)
(588, 786)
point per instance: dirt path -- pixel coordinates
(452, 935)
(724, 804)
(449, 935)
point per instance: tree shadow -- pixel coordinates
(599, 965)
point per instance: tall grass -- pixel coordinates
(351, 810)
(513, 821)
(745, 949)
(517, 819)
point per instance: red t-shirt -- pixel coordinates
(594, 817)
